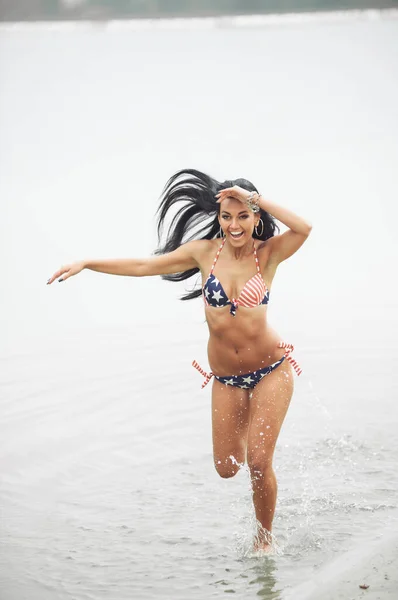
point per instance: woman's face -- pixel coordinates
(237, 221)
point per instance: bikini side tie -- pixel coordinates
(289, 348)
(207, 376)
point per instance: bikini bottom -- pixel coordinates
(250, 380)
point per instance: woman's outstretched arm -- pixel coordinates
(182, 259)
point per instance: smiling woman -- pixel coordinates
(252, 368)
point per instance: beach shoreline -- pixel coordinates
(205, 19)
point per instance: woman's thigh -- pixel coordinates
(230, 420)
(269, 403)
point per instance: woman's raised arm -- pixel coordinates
(182, 259)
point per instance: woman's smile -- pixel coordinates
(236, 235)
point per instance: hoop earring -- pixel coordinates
(262, 228)
(221, 233)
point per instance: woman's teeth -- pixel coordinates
(236, 235)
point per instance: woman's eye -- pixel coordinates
(244, 216)
(225, 217)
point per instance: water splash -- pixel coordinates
(317, 402)
(249, 532)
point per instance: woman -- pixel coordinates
(253, 381)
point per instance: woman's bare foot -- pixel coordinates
(262, 548)
(263, 541)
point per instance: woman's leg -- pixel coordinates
(230, 418)
(268, 406)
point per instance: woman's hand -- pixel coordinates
(233, 192)
(67, 271)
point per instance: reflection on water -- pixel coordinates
(263, 575)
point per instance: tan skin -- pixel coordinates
(246, 423)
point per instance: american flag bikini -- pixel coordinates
(254, 293)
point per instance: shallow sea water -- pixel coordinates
(107, 486)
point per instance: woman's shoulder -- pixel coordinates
(203, 247)
(202, 251)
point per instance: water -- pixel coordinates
(107, 486)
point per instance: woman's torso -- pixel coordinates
(244, 342)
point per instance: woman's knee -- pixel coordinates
(260, 464)
(227, 467)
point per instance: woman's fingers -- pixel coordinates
(223, 194)
(67, 271)
(63, 273)
(232, 192)
(225, 191)
(65, 276)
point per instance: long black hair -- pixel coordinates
(196, 217)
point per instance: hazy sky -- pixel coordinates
(95, 120)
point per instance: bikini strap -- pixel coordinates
(207, 376)
(256, 259)
(216, 256)
(289, 348)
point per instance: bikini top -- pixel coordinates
(254, 293)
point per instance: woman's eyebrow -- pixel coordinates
(242, 212)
